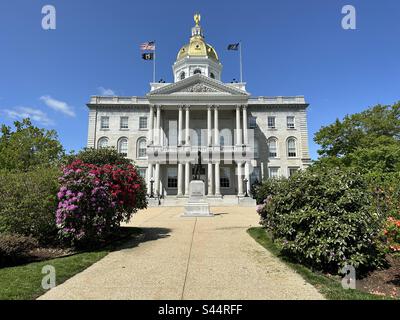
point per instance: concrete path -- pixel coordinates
(189, 258)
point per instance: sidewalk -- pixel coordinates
(189, 258)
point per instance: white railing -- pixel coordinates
(278, 100)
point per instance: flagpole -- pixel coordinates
(154, 63)
(241, 64)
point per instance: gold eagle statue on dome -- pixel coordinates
(197, 18)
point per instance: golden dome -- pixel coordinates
(197, 47)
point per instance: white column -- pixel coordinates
(209, 126)
(158, 126)
(187, 125)
(238, 131)
(216, 129)
(210, 179)
(240, 180)
(180, 172)
(245, 133)
(217, 187)
(247, 175)
(151, 126)
(187, 178)
(157, 180)
(149, 175)
(246, 142)
(180, 124)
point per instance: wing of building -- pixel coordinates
(242, 139)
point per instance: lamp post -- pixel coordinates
(151, 187)
(246, 195)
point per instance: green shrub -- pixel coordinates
(99, 157)
(28, 203)
(385, 188)
(14, 247)
(323, 218)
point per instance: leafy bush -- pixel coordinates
(323, 218)
(99, 157)
(94, 200)
(27, 147)
(28, 202)
(386, 190)
(14, 247)
(392, 233)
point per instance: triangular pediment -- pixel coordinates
(198, 85)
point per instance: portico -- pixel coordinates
(198, 128)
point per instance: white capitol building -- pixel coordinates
(242, 139)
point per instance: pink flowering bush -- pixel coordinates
(95, 199)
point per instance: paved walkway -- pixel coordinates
(189, 258)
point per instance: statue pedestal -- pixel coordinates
(197, 205)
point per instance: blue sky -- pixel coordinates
(289, 48)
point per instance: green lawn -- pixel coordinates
(25, 282)
(329, 287)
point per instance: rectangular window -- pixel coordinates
(142, 172)
(252, 122)
(124, 123)
(172, 178)
(104, 122)
(143, 123)
(271, 123)
(224, 180)
(290, 122)
(273, 172)
(292, 170)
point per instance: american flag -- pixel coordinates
(151, 45)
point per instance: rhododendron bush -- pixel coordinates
(392, 233)
(95, 199)
(323, 218)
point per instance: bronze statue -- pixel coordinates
(198, 166)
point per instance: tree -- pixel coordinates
(28, 146)
(368, 140)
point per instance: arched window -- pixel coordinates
(291, 147)
(182, 75)
(272, 148)
(141, 148)
(225, 137)
(197, 71)
(212, 76)
(103, 143)
(123, 146)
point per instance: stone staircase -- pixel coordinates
(225, 201)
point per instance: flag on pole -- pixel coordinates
(234, 46)
(151, 46)
(238, 47)
(148, 56)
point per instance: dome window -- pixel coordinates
(182, 75)
(197, 71)
(212, 76)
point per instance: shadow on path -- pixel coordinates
(141, 235)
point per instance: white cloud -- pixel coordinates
(106, 92)
(59, 106)
(26, 112)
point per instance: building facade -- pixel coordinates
(240, 139)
